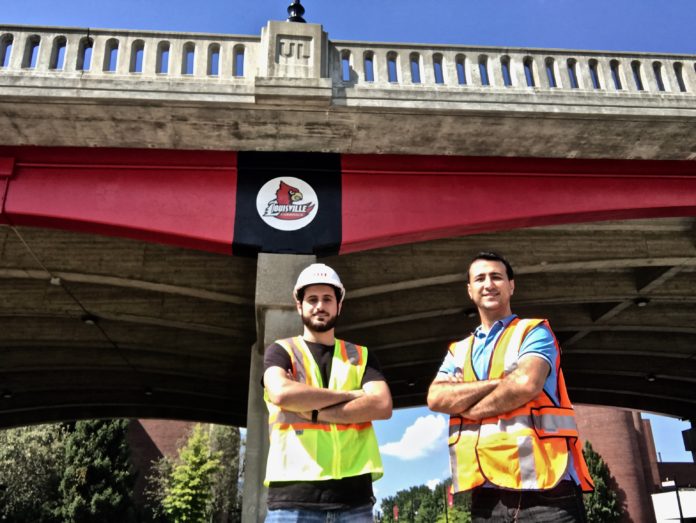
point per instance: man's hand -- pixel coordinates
(451, 395)
(291, 395)
(517, 388)
(373, 402)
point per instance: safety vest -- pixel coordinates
(304, 451)
(525, 449)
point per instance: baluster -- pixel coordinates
(379, 66)
(495, 70)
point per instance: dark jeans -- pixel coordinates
(361, 514)
(562, 504)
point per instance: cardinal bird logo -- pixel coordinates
(288, 204)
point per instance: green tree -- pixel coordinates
(226, 501)
(31, 461)
(157, 488)
(97, 481)
(455, 514)
(189, 496)
(420, 504)
(602, 505)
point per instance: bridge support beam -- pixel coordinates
(689, 436)
(275, 318)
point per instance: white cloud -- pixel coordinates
(432, 483)
(425, 435)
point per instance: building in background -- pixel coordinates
(625, 442)
(621, 437)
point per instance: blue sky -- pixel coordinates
(630, 25)
(413, 441)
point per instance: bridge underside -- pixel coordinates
(174, 327)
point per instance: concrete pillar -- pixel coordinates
(276, 318)
(690, 439)
(358, 65)
(495, 70)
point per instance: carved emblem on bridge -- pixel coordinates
(294, 49)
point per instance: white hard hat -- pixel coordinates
(319, 274)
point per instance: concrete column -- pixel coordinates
(582, 71)
(43, 58)
(71, 48)
(495, 70)
(150, 57)
(379, 66)
(358, 64)
(519, 79)
(475, 71)
(403, 68)
(690, 439)
(449, 68)
(200, 59)
(19, 43)
(226, 60)
(276, 318)
(96, 65)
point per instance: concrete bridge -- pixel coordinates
(139, 277)
(293, 89)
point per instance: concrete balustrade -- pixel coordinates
(79, 43)
(557, 60)
(297, 90)
(18, 42)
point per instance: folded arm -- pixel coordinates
(450, 395)
(374, 403)
(517, 388)
(294, 396)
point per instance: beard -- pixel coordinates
(316, 326)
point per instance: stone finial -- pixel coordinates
(295, 10)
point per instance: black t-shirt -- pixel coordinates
(332, 494)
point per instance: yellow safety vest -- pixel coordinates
(304, 451)
(525, 449)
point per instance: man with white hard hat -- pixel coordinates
(322, 394)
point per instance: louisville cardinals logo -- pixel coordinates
(288, 204)
(294, 205)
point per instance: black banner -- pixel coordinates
(288, 203)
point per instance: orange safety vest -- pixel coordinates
(527, 448)
(304, 451)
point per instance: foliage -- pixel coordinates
(97, 481)
(156, 489)
(189, 494)
(420, 504)
(31, 461)
(602, 505)
(226, 497)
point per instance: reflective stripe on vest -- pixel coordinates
(525, 449)
(304, 451)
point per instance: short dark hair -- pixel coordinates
(300, 292)
(491, 256)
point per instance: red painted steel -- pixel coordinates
(6, 170)
(389, 200)
(187, 198)
(183, 198)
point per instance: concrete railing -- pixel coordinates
(103, 54)
(183, 58)
(403, 65)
